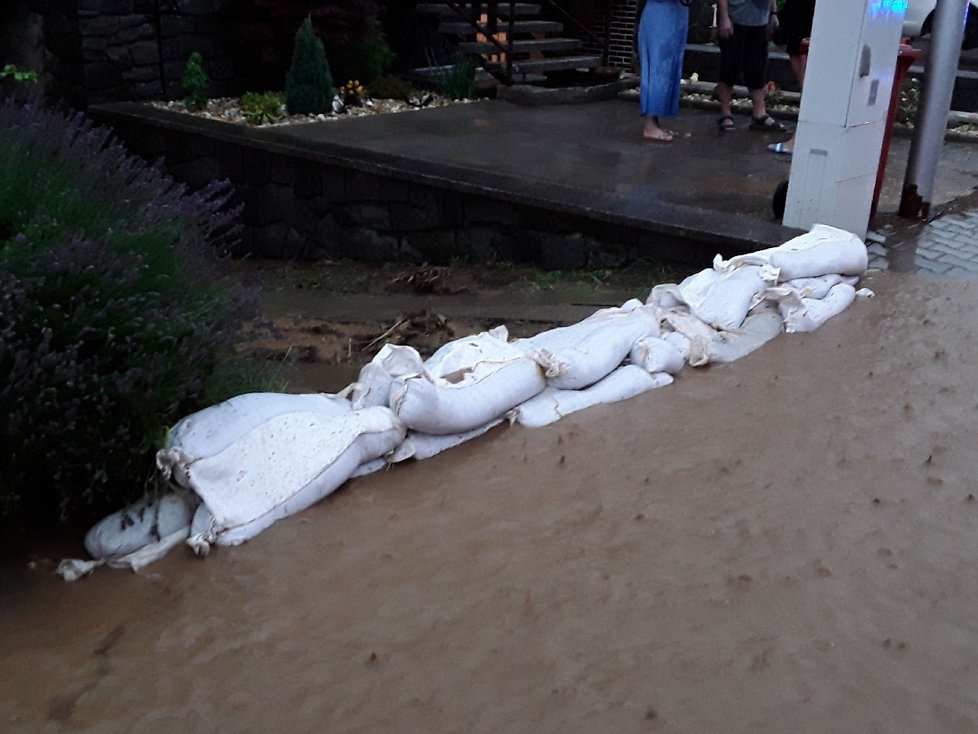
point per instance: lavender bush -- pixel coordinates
(113, 322)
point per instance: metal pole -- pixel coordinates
(935, 103)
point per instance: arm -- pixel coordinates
(724, 25)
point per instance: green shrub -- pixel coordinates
(909, 101)
(113, 323)
(26, 76)
(308, 84)
(195, 82)
(391, 87)
(262, 109)
(459, 81)
(365, 60)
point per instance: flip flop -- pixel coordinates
(726, 124)
(766, 123)
(778, 149)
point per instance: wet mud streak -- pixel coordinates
(62, 707)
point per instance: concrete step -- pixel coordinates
(524, 45)
(704, 60)
(538, 66)
(442, 9)
(460, 28)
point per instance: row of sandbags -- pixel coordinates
(243, 464)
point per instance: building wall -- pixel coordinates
(91, 51)
(618, 16)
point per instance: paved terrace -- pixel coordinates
(590, 158)
(710, 190)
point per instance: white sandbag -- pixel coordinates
(808, 314)
(142, 523)
(820, 286)
(203, 527)
(468, 383)
(823, 250)
(722, 299)
(210, 431)
(203, 531)
(72, 569)
(135, 536)
(665, 296)
(655, 354)
(581, 354)
(373, 386)
(680, 341)
(370, 467)
(760, 327)
(552, 404)
(285, 465)
(421, 446)
(699, 333)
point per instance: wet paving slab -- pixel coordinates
(946, 247)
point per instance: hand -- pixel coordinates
(725, 27)
(773, 24)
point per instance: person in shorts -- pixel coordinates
(795, 26)
(744, 28)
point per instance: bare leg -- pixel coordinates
(725, 96)
(759, 110)
(798, 63)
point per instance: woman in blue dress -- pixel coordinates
(661, 34)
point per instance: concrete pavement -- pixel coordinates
(723, 181)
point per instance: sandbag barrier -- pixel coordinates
(241, 465)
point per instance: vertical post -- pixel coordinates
(842, 120)
(935, 103)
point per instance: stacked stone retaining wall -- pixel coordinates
(315, 204)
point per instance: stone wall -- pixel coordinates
(92, 51)
(138, 49)
(300, 205)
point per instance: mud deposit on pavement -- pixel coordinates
(322, 322)
(786, 544)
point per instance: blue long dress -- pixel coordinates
(661, 43)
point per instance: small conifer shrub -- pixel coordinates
(308, 83)
(195, 82)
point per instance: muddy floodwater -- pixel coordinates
(786, 544)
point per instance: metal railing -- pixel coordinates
(472, 14)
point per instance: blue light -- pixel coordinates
(888, 7)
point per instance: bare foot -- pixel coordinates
(654, 132)
(662, 136)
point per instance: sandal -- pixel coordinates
(766, 123)
(726, 124)
(778, 149)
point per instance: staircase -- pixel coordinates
(513, 40)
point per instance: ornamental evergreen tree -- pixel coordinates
(308, 83)
(195, 82)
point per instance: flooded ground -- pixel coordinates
(785, 544)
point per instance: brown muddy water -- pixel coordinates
(786, 544)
